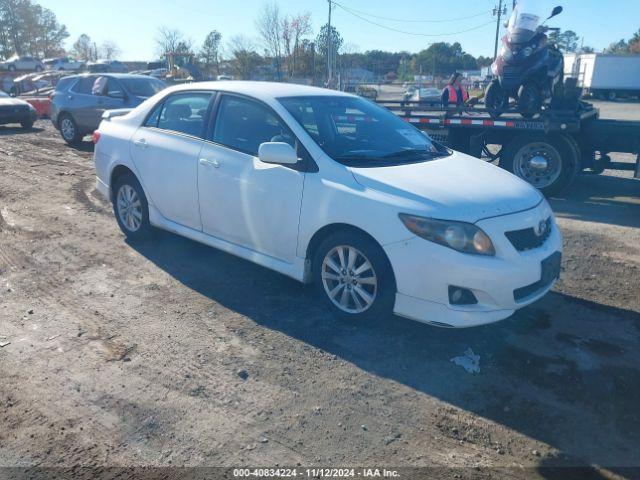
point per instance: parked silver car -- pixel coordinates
(106, 66)
(63, 63)
(18, 62)
(78, 102)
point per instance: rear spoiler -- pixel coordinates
(118, 112)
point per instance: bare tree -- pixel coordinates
(269, 25)
(172, 40)
(244, 57)
(300, 26)
(109, 50)
(85, 49)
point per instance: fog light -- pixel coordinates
(461, 296)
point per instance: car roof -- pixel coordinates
(261, 90)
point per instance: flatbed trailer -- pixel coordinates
(547, 150)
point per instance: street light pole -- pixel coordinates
(497, 11)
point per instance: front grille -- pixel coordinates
(527, 238)
(511, 73)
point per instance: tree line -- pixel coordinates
(26, 28)
(285, 47)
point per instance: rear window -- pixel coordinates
(65, 83)
(84, 85)
(143, 87)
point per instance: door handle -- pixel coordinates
(209, 163)
(141, 142)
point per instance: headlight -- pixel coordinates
(460, 236)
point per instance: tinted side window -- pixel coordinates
(84, 85)
(244, 124)
(114, 89)
(154, 117)
(184, 113)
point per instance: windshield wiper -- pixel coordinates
(413, 152)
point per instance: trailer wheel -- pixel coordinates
(548, 162)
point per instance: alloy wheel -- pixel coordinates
(129, 208)
(67, 128)
(349, 279)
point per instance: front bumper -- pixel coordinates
(11, 116)
(424, 271)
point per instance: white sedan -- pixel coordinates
(329, 188)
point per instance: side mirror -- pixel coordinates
(277, 152)
(556, 11)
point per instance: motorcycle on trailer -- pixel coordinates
(528, 68)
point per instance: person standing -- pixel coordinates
(454, 93)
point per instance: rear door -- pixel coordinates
(109, 97)
(165, 151)
(80, 103)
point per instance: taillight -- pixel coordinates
(96, 136)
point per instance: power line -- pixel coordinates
(391, 19)
(410, 33)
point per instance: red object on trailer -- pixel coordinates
(41, 104)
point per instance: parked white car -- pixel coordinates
(63, 63)
(330, 188)
(18, 62)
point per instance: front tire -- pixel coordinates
(131, 208)
(69, 130)
(27, 124)
(353, 277)
(496, 100)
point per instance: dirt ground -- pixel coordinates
(172, 353)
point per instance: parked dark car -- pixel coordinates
(78, 102)
(106, 66)
(14, 110)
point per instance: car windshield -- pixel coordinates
(143, 87)
(354, 131)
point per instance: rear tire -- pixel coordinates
(131, 208)
(548, 162)
(353, 289)
(529, 101)
(27, 124)
(69, 129)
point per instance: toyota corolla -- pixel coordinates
(327, 187)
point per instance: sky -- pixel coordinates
(133, 24)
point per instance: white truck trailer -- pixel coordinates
(607, 76)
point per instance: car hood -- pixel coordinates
(11, 102)
(457, 187)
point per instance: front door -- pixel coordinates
(243, 200)
(165, 151)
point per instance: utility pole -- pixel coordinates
(499, 11)
(329, 50)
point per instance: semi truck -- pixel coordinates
(605, 76)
